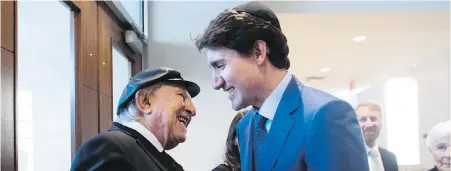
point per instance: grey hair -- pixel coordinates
(128, 113)
(131, 112)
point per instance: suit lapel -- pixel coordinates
(143, 144)
(246, 146)
(384, 159)
(282, 123)
(147, 147)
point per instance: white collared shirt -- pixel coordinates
(374, 158)
(145, 133)
(269, 106)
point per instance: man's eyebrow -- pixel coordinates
(215, 62)
(183, 91)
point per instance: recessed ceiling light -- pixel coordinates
(324, 69)
(359, 38)
(414, 65)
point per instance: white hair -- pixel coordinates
(128, 114)
(439, 131)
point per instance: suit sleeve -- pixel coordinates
(100, 154)
(335, 141)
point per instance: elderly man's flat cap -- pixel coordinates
(259, 10)
(151, 77)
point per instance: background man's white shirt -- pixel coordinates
(374, 159)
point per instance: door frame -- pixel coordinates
(93, 82)
(97, 30)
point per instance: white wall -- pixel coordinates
(122, 72)
(45, 67)
(433, 78)
(357, 6)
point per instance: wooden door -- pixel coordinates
(98, 30)
(110, 33)
(8, 68)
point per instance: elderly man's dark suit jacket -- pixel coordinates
(121, 149)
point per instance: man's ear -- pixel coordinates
(261, 52)
(143, 101)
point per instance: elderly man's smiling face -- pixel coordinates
(441, 152)
(167, 113)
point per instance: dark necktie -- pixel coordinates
(260, 134)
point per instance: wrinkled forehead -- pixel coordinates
(172, 88)
(443, 140)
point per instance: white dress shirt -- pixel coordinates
(269, 106)
(145, 133)
(374, 158)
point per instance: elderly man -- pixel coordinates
(379, 159)
(154, 112)
(438, 142)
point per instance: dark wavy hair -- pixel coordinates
(240, 31)
(232, 154)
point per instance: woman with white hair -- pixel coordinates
(438, 142)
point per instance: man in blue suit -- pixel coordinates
(291, 127)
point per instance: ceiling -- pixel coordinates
(320, 37)
(395, 42)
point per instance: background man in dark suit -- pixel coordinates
(291, 127)
(379, 159)
(153, 115)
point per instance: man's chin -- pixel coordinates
(369, 139)
(182, 139)
(171, 145)
(175, 142)
(370, 136)
(238, 106)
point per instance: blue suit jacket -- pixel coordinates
(311, 131)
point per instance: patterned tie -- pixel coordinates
(259, 139)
